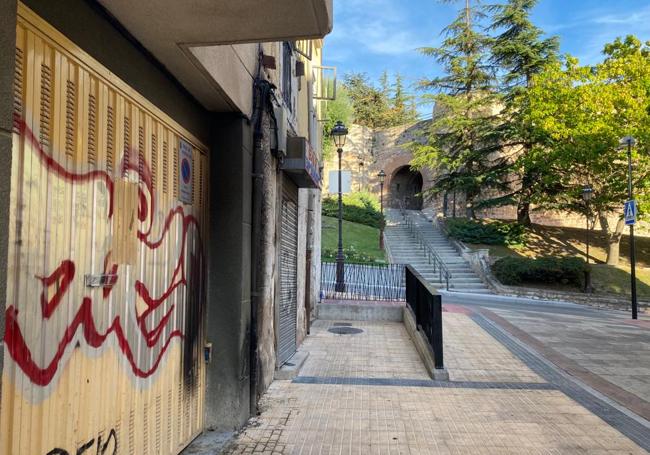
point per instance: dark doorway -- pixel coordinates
(405, 189)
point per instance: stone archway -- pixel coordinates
(405, 189)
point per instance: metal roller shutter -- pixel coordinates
(288, 276)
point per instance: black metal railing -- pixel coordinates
(432, 257)
(364, 282)
(426, 304)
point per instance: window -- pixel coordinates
(287, 54)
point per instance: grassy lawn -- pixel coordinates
(616, 280)
(364, 239)
(554, 241)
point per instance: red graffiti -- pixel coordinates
(58, 169)
(63, 276)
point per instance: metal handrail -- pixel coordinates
(433, 257)
(402, 209)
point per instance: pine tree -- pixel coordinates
(463, 139)
(521, 53)
(384, 84)
(403, 103)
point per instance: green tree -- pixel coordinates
(403, 103)
(520, 52)
(338, 109)
(463, 140)
(384, 84)
(369, 104)
(379, 107)
(580, 113)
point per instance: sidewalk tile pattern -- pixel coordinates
(331, 419)
(630, 427)
(472, 355)
(381, 351)
(608, 347)
(358, 394)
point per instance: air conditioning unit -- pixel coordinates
(281, 118)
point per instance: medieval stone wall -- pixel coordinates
(368, 151)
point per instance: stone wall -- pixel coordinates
(387, 149)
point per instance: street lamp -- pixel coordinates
(629, 142)
(382, 177)
(339, 134)
(587, 193)
(360, 175)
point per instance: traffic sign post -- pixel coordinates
(629, 212)
(630, 218)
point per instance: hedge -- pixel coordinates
(486, 232)
(352, 256)
(362, 208)
(547, 270)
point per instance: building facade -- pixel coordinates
(160, 198)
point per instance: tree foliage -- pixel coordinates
(379, 107)
(338, 109)
(519, 51)
(463, 140)
(579, 113)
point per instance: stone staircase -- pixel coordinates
(404, 248)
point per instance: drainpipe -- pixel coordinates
(262, 105)
(310, 247)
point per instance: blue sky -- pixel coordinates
(372, 35)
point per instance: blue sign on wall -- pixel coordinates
(185, 172)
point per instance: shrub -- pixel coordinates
(488, 232)
(549, 270)
(352, 256)
(362, 208)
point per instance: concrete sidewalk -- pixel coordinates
(368, 393)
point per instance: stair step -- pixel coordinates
(405, 248)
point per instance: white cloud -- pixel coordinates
(640, 17)
(379, 27)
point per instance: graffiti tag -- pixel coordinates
(102, 447)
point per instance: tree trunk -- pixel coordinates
(527, 182)
(469, 208)
(523, 213)
(613, 238)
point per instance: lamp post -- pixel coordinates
(382, 177)
(587, 193)
(339, 134)
(629, 142)
(360, 175)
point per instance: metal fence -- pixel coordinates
(364, 282)
(426, 305)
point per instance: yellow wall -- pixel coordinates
(95, 190)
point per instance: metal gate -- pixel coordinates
(288, 273)
(105, 298)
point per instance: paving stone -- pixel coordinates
(367, 394)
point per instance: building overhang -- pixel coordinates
(173, 30)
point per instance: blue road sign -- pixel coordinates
(629, 212)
